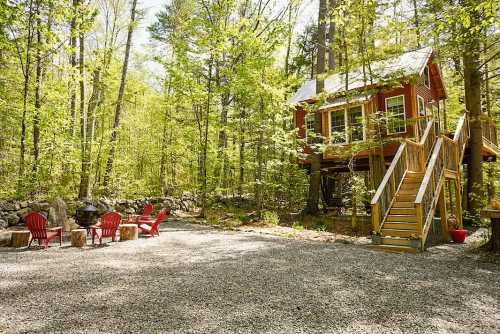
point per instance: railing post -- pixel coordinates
(376, 217)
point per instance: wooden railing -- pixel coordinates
(411, 157)
(462, 135)
(387, 189)
(490, 131)
(428, 193)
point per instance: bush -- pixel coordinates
(270, 218)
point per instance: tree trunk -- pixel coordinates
(119, 101)
(242, 152)
(416, 22)
(204, 152)
(89, 135)
(38, 93)
(72, 60)
(331, 37)
(472, 85)
(316, 157)
(27, 70)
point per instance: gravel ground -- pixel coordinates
(194, 279)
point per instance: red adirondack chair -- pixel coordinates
(107, 227)
(37, 225)
(152, 228)
(145, 217)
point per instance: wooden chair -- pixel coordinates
(107, 227)
(37, 225)
(146, 215)
(152, 228)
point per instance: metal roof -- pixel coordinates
(405, 65)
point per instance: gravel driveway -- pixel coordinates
(194, 279)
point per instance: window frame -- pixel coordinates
(330, 127)
(427, 77)
(306, 130)
(362, 123)
(420, 98)
(345, 111)
(404, 114)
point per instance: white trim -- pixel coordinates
(330, 127)
(362, 121)
(423, 105)
(404, 113)
(345, 110)
(305, 124)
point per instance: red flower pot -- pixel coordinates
(458, 236)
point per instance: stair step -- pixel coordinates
(400, 226)
(402, 211)
(410, 175)
(403, 204)
(396, 241)
(388, 232)
(401, 218)
(406, 197)
(410, 187)
(395, 249)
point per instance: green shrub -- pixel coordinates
(270, 218)
(298, 226)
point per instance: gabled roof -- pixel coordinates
(405, 65)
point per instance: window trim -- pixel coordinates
(308, 115)
(330, 127)
(345, 111)
(404, 114)
(362, 121)
(428, 72)
(423, 105)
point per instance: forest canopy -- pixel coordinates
(86, 111)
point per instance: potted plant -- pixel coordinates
(457, 234)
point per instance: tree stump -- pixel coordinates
(128, 232)
(79, 237)
(20, 238)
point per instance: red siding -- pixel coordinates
(300, 121)
(406, 90)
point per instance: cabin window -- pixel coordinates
(420, 106)
(356, 123)
(396, 117)
(427, 79)
(337, 127)
(310, 122)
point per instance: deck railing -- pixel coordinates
(490, 131)
(462, 135)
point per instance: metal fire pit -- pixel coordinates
(87, 216)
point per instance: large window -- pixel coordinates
(310, 122)
(337, 127)
(356, 123)
(396, 118)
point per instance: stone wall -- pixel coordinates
(59, 210)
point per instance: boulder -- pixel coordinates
(3, 224)
(23, 212)
(40, 207)
(12, 219)
(57, 213)
(7, 206)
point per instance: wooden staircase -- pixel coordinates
(413, 187)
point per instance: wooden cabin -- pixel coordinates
(408, 90)
(403, 99)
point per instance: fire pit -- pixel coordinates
(87, 216)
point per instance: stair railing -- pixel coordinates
(462, 135)
(410, 156)
(428, 192)
(387, 189)
(489, 132)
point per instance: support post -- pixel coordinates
(442, 213)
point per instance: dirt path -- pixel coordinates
(195, 279)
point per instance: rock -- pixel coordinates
(40, 207)
(3, 224)
(12, 219)
(23, 212)
(7, 206)
(23, 204)
(57, 213)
